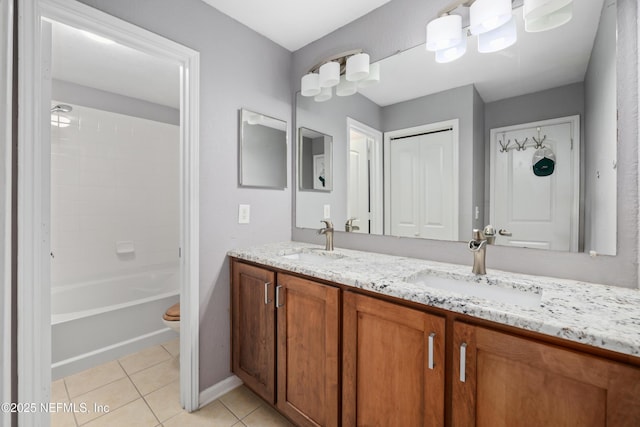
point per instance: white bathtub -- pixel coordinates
(102, 320)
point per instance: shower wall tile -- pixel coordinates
(113, 178)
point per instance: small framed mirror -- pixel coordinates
(263, 151)
(315, 161)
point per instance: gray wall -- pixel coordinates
(72, 93)
(399, 25)
(234, 64)
(455, 103)
(600, 138)
(479, 162)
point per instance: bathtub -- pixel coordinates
(101, 320)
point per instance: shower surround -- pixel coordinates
(114, 231)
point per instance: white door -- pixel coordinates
(359, 190)
(422, 186)
(364, 198)
(539, 211)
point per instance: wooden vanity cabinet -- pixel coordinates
(504, 380)
(308, 318)
(297, 320)
(253, 331)
(390, 370)
(392, 366)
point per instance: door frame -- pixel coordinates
(376, 181)
(34, 288)
(6, 118)
(575, 163)
(454, 124)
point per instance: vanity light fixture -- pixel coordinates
(492, 22)
(346, 72)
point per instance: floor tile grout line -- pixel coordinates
(128, 376)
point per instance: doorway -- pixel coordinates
(34, 229)
(364, 197)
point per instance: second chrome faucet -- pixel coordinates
(327, 230)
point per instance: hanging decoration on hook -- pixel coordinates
(543, 162)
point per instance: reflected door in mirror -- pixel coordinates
(535, 197)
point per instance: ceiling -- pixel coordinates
(295, 23)
(79, 58)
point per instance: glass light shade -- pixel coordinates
(345, 87)
(310, 85)
(357, 67)
(498, 39)
(452, 53)
(487, 15)
(444, 32)
(536, 9)
(324, 95)
(329, 74)
(373, 77)
(550, 21)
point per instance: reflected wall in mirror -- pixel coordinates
(536, 79)
(263, 151)
(315, 158)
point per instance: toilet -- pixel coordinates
(171, 317)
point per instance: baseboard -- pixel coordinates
(215, 391)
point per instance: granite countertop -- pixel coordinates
(602, 316)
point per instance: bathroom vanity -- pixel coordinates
(347, 338)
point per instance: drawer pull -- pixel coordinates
(278, 305)
(463, 361)
(266, 293)
(430, 361)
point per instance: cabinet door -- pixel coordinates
(308, 337)
(253, 328)
(393, 365)
(504, 380)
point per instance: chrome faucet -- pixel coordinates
(328, 232)
(349, 227)
(478, 245)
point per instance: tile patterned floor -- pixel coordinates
(142, 390)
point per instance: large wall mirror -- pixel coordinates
(263, 151)
(435, 150)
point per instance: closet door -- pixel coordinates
(423, 179)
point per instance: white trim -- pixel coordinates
(376, 181)
(6, 64)
(34, 318)
(575, 164)
(454, 124)
(215, 391)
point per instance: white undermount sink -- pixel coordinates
(313, 256)
(528, 298)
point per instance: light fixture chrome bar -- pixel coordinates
(339, 57)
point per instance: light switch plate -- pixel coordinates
(244, 214)
(327, 212)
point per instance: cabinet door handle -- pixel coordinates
(278, 305)
(266, 293)
(463, 361)
(430, 361)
